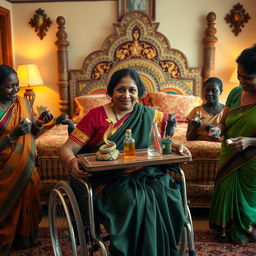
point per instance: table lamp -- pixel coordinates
(29, 76)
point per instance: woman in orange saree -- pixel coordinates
(19, 180)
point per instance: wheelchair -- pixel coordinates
(73, 234)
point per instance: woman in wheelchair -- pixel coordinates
(141, 208)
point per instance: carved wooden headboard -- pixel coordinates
(137, 44)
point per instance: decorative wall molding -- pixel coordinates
(237, 18)
(40, 22)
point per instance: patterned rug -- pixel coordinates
(205, 243)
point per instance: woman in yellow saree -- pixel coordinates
(141, 208)
(210, 113)
(233, 209)
(19, 180)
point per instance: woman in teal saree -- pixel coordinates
(233, 209)
(141, 208)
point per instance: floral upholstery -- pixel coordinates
(87, 102)
(199, 149)
(181, 105)
(49, 143)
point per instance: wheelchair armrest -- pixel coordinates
(174, 168)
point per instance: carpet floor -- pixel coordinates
(205, 244)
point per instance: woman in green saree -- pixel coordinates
(233, 209)
(141, 208)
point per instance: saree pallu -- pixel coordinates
(140, 208)
(19, 184)
(233, 209)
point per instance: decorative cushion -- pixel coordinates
(181, 105)
(87, 102)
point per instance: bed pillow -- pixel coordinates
(181, 105)
(87, 102)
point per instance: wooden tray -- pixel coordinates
(90, 163)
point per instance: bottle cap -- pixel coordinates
(129, 130)
(28, 121)
(229, 141)
(166, 142)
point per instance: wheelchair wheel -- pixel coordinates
(66, 227)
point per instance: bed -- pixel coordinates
(172, 86)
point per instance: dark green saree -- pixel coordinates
(141, 210)
(233, 210)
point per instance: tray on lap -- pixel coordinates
(90, 164)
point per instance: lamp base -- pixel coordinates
(30, 95)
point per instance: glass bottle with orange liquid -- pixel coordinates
(129, 145)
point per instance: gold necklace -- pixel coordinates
(117, 119)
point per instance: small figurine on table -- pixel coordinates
(108, 151)
(171, 124)
(169, 132)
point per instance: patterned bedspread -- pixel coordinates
(49, 143)
(199, 149)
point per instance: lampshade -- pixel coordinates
(233, 78)
(29, 75)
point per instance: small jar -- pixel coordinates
(167, 147)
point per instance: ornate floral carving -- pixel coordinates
(237, 17)
(136, 49)
(40, 22)
(137, 44)
(100, 69)
(171, 68)
(209, 46)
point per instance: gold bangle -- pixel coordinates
(11, 140)
(68, 162)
